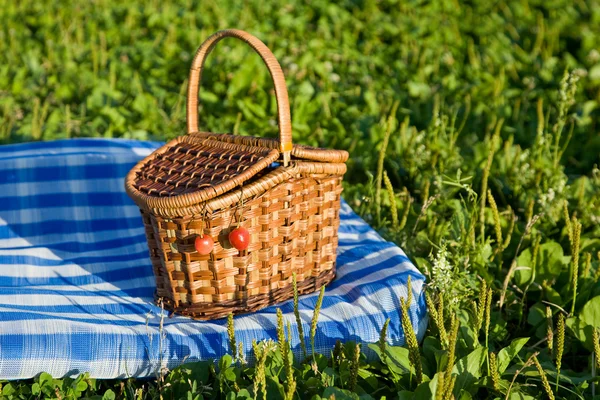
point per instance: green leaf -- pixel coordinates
(464, 395)
(230, 374)
(418, 89)
(109, 395)
(81, 386)
(518, 395)
(405, 395)
(229, 396)
(590, 314)
(524, 270)
(581, 331)
(208, 97)
(339, 394)
(537, 318)
(551, 261)
(468, 336)
(275, 390)
(428, 389)
(468, 369)
(506, 355)
(244, 394)
(8, 389)
(305, 89)
(225, 362)
(594, 73)
(552, 295)
(45, 379)
(397, 358)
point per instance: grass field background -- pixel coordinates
(473, 134)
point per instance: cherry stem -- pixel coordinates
(241, 206)
(202, 221)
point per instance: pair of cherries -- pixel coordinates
(239, 238)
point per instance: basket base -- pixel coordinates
(208, 311)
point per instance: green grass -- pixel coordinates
(476, 121)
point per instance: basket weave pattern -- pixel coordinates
(286, 196)
(293, 228)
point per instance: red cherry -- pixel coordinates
(204, 244)
(239, 238)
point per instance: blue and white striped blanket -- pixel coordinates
(76, 284)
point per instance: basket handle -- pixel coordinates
(283, 105)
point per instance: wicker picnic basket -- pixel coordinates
(286, 196)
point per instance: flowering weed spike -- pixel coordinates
(260, 355)
(439, 391)
(549, 330)
(497, 225)
(545, 383)
(280, 332)
(338, 353)
(231, 334)
(425, 191)
(297, 315)
(288, 360)
(240, 353)
(481, 306)
(449, 387)
(494, 371)
(435, 316)
(382, 340)
(567, 220)
(447, 379)
(442, 326)
(529, 213)
(315, 318)
(560, 344)
(453, 339)
(409, 291)
(256, 380)
(511, 229)
(597, 273)
(471, 235)
(411, 341)
(488, 313)
(536, 250)
(406, 210)
(381, 159)
(392, 198)
(587, 266)
(576, 227)
(596, 342)
(354, 368)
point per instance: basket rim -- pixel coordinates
(256, 188)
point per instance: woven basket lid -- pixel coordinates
(207, 168)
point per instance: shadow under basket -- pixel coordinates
(286, 196)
